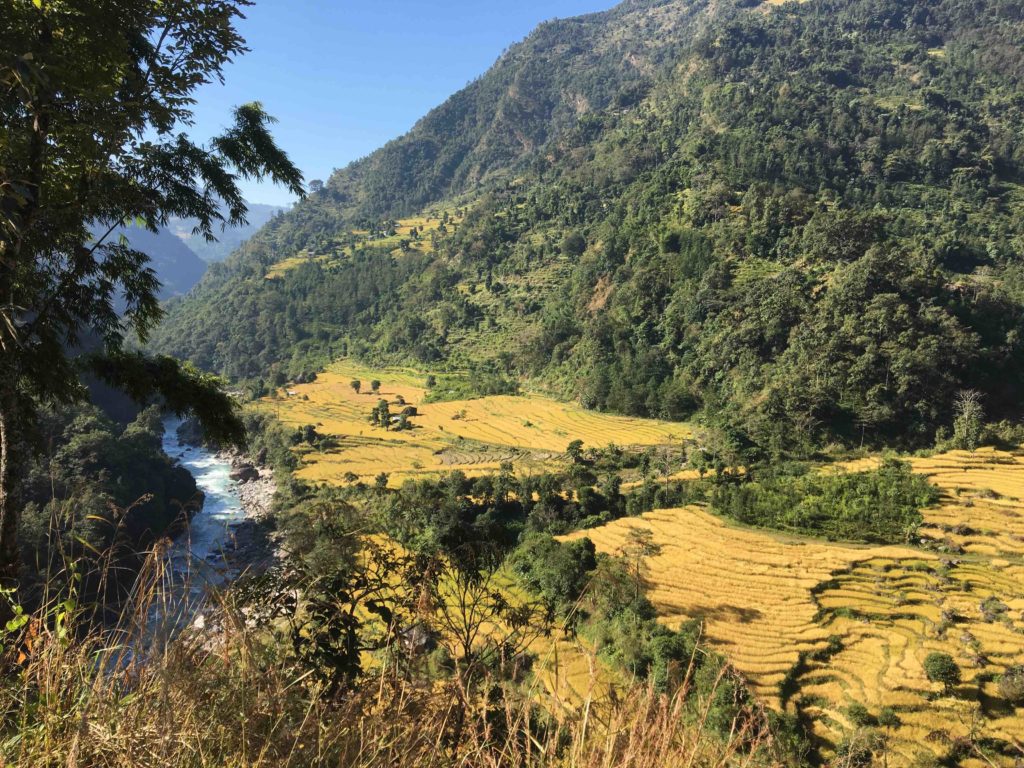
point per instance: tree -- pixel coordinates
(356, 385)
(431, 381)
(482, 625)
(557, 572)
(381, 415)
(342, 596)
(859, 715)
(639, 546)
(941, 668)
(888, 719)
(375, 385)
(574, 245)
(575, 451)
(93, 103)
(1011, 685)
(968, 421)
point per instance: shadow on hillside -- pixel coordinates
(742, 614)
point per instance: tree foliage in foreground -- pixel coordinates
(94, 99)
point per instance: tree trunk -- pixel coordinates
(9, 552)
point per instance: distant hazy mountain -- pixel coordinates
(176, 265)
(229, 239)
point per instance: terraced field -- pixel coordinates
(474, 436)
(817, 627)
(754, 589)
(417, 233)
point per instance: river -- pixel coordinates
(197, 555)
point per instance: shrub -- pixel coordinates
(941, 668)
(859, 715)
(1011, 685)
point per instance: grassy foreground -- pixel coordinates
(221, 696)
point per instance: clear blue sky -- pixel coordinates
(344, 76)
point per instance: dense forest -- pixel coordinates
(804, 221)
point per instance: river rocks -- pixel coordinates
(245, 473)
(251, 549)
(257, 496)
(190, 432)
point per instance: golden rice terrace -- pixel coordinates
(817, 627)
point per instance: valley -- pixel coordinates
(656, 399)
(835, 634)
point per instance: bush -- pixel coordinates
(1011, 685)
(574, 245)
(860, 716)
(941, 668)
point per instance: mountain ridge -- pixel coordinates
(177, 266)
(481, 110)
(690, 236)
(230, 238)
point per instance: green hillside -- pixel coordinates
(802, 220)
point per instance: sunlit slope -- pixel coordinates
(891, 613)
(983, 509)
(475, 436)
(753, 589)
(817, 627)
(416, 234)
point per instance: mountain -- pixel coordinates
(229, 239)
(803, 221)
(176, 265)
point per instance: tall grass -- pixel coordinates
(149, 692)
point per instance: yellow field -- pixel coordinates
(768, 600)
(474, 436)
(753, 589)
(278, 269)
(771, 603)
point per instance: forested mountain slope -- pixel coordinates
(803, 219)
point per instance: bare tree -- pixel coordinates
(482, 626)
(968, 421)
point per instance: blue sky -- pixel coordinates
(343, 77)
